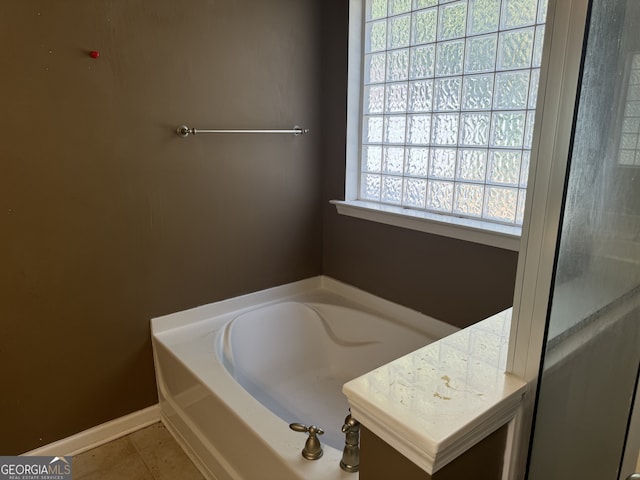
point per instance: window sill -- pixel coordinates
(501, 236)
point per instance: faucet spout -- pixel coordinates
(351, 453)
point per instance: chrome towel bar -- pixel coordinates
(185, 131)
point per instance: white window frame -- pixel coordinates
(473, 230)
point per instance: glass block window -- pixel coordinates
(448, 104)
(629, 147)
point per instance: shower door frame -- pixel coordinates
(631, 462)
(558, 93)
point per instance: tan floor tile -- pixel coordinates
(102, 457)
(129, 468)
(148, 454)
(151, 437)
(113, 461)
(163, 456)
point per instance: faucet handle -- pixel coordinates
(312, 449)
(311, 430)
(299, 427)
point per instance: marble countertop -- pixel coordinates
(435, 403)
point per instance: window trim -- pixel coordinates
(472, 230)
(495, 235)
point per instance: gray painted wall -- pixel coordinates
(109, 219)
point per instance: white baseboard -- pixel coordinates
(100, 434)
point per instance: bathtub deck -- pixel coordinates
(201, 401)
(148, 454)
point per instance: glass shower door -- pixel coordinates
(589, 374)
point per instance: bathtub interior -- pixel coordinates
(211, 359)
(294, 357)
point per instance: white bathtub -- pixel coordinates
(233, 374)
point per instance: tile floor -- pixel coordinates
(148, 454)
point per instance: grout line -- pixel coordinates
(139, 451)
